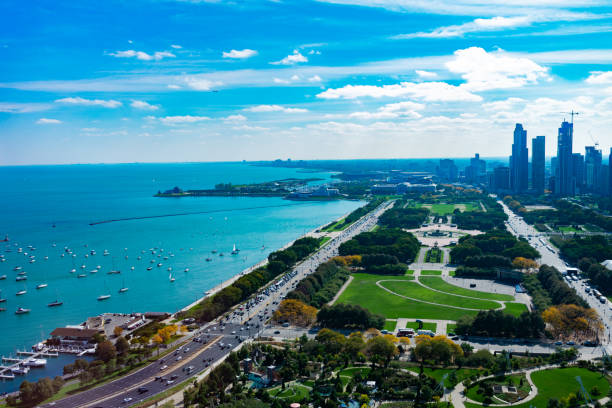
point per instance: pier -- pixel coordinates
(7, 372)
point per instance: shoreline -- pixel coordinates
(251, 268)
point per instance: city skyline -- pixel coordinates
(176, 81)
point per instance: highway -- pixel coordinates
(215, 339)
(549, 256)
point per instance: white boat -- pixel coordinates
(20, 278)
(17, 268)
(93, 271)
(132, 268)
(149, 268)
(83, 266)
(122, 290)
(21, 310)
(42, 285)
(159, 264)
(21, 292)
(235, 250)
(35, 362)
(208, 259)
(72, 270)
(171, 278)
(104, 297)
(3, 277)
(20, 370)
(82, 275)
(2, 300)
(169, 268)
(186, 269)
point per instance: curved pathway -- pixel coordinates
(378, 283)
(502, 303)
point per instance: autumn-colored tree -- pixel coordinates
(157, 339)
(370, 333)
(523, 263)
(295, 312)
(566, 320)
(117, 331)
(381, 349)
(437, 348)
(348, 260)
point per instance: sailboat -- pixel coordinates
(171, 278)
(123, 288)
(2, 300)
(114, 271)
(56, 303)
(186, 269)
(3, 277)
(235, 250)
(21, 310)
(42, 285)
(104, 297)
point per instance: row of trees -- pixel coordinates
(496, 323)
(593, 246)
(278, 262)
(321, 286)
(32, 393)
(398, 217)
(568, 213)
(347, 316)
(390, 241)
(487, 250)
(573, 321)
(558, 290)
(599, 275)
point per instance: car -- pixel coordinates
(472, 285)
(162, 368)
(157, 378)
(233, 331)
(127, 399)
(174, 376)
(169, 382)
(570, 343)
(179, 358)
(142, 390)
(276, 332)
(558, 343)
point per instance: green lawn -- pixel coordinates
(447, 209)
(336, 226)
(324, 241)
(442, 285)
(292, 393)
(430, 272)
(390, 325)
(409, 272)
(363, 291)
(473, 394)
(438, 373)
(559, 383)
(418, 292)
(515, 309)
(567, 228)
(450, 328)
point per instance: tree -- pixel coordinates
(44, 389)
(438, 348)
(523, 263)
(117, 331)
(295, 312)
(106, 351)
(58, 383)
(567, 320)
(26, 391)
(380, 350)
(122, 345)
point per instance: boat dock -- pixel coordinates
(18, 365)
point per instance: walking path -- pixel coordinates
(348, 282)
(417, 275)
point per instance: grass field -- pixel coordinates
(548, 384)
(515, 309)
(292, 393)
(409, 272)
(442, 285)
(426, 326)
(438, 373)
(568, 228)
(390, 325)
(430, 272)
(416, 291)
(336, 226)
(363, 291)
(450, 328)
(446, 209)
(473, 394)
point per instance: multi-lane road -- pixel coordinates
(213, 342)
(549, 256)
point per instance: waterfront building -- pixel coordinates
(565, 182)
(538, 164)
(519, 161)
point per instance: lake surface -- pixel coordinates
(42, 206)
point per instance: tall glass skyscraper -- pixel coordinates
(519, 161)
(538, 163)
(565, 183)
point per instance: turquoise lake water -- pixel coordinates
(35, 198)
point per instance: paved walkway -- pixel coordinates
(348, 282)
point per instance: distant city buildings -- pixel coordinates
(565, 182)
(476, 171)
(447, 170)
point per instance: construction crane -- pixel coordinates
(595, 142)
(572, 113)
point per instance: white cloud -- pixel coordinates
(274, 108)
(406, 109)
(429, 91)
(425, 74)
(478, 25)
(506, 104)
(47, 121)
(240, 54)
(250, 128)
(110, 103)
(291, 59)
(176, 46)
(599, 77)
(235, 118)
(494, 70)
(23, 107)
(200, 84)
(280, 81)
(314, 78)
(143, 56)
(143, 105)
(314, 52)
(175, 120)
(295, 78)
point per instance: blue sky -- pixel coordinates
(163, 81)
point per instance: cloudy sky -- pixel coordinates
(163, 80)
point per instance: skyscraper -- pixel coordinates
(519, 161)
(592, 168)
(538, 163)
(476, 170)
(578, 172)
(565, 183)
(447, 170)
(501, 179)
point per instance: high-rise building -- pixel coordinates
(565, 183)
(477, 169)
(501, 179)
(578, 172)
(447, 170)
(538, 164)
(592, 169)
(519, 161)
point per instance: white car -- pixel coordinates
(127, 399)
(162, 368)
